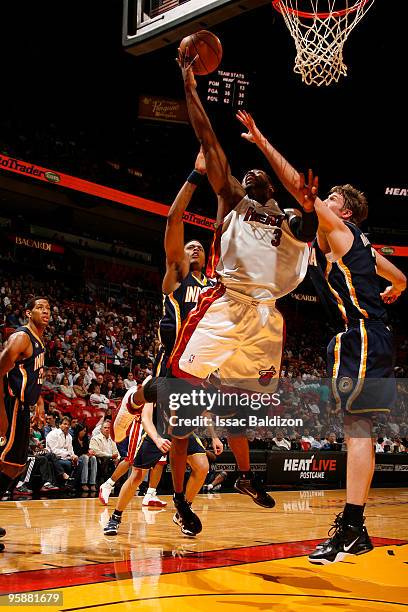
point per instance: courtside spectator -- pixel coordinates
(105, 450)
(87, 462)
(280, 442)
(59, 442)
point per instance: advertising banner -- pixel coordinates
(35, 243)
(163, 109)
(306, 467)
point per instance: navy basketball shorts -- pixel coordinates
(15, 451)
(360, 364)
(148, 455)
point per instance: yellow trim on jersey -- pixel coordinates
(176, 312)
(365, 410)
(163, 315)
(336, 367)
(339, 301)
(202, 282)
(35, 335)
(158, 367)
(350, 287)
(363, 366)
(10, 441)
(24, 381)
(197, 439)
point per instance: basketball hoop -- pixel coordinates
(320, 28)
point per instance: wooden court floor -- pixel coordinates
(246, 559)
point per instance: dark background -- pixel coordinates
(65, 74)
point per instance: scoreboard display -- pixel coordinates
(229, 88)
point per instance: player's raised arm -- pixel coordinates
(218, 169)
(288, 176)
(304, 228)
(387, 270)
(177, 261)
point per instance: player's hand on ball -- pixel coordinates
(199, 165)
(163, 445)
(254, 134)
(308, 190)
(186, 63)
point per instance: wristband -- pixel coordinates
(195, 178)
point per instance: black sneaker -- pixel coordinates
(2, 532)
(112, 526)
(22, 490)
(249, 486)
(346, 540)
(186, 519)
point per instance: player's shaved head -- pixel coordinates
(258, 185)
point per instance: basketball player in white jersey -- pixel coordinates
(259, 254)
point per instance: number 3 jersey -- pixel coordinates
(24, 381)
(254, 251)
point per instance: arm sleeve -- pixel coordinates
(98, 427)
(304, 227)
(69, 445)
(52, 444)
(94, 399)
(97, 448)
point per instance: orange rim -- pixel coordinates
(283, 8)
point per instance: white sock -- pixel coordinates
(210, 486)
(110, 482)
(20, 484)
(151, 491)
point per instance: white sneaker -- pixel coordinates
(104, 491)
(152, 501)
(124, 417)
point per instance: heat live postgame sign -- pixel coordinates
(46, 175)
(312, 468)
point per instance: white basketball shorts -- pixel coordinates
(230, 333)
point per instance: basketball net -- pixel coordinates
(320, 28)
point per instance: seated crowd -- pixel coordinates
(95, 352)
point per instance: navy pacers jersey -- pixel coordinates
(359, 359)
(176, 307)
(24, 381)
(352, 280)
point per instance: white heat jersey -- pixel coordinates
(255, 252)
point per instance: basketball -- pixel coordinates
(207, 46)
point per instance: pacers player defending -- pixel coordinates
(359, 359)
(182, 284)
(21, 371)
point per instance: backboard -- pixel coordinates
(152, 24)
